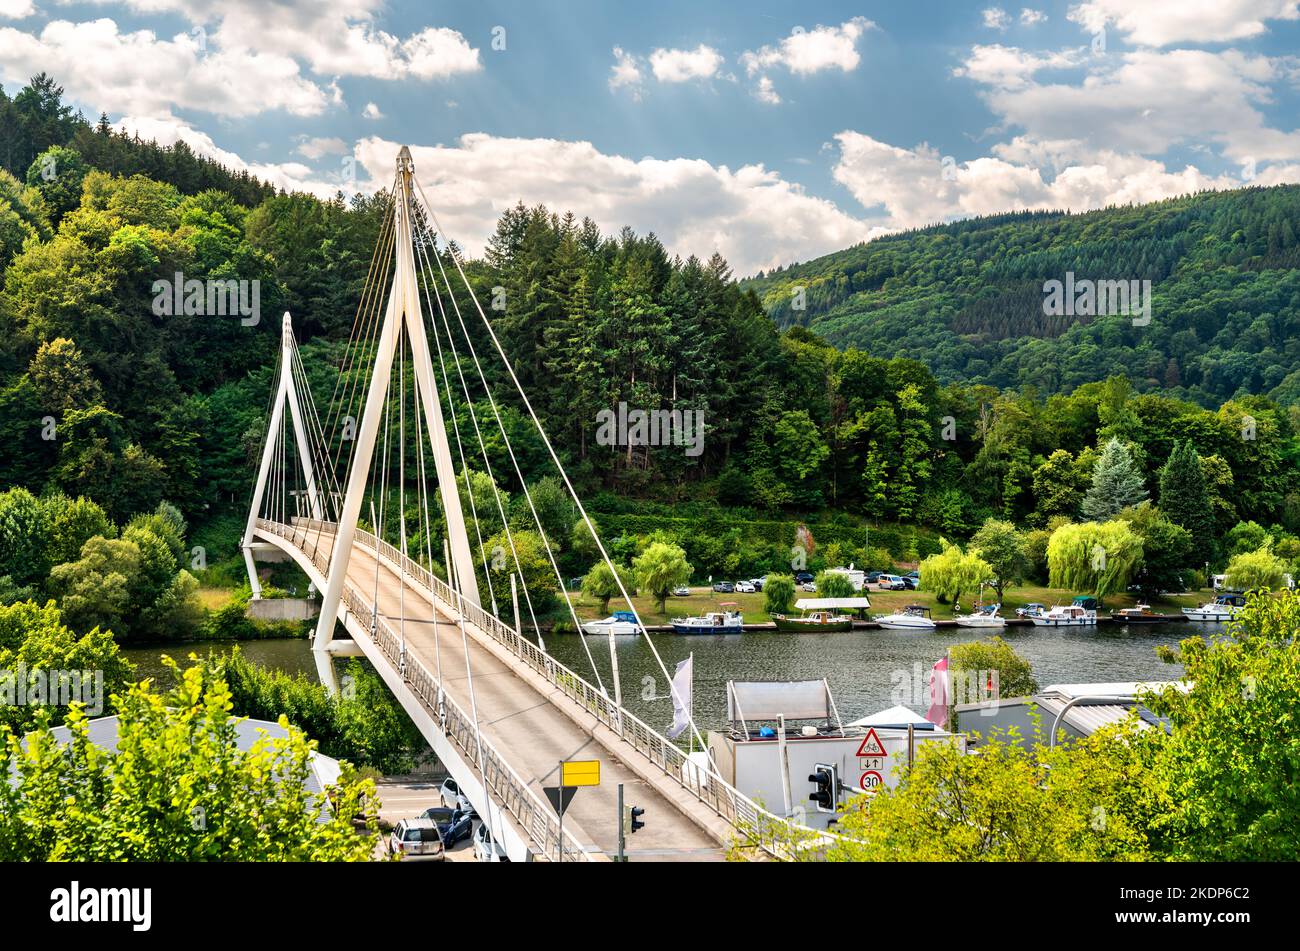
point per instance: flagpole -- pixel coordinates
(691, 711)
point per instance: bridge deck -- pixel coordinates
(529, 724)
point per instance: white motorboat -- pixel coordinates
(986, 617)
(1070, 615)
(620, 622)
(1223, 608)
(914, 617)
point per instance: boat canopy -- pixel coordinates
(833, 604)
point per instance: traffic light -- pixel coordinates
(631, 819)
(826, 784)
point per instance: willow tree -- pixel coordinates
(953, 571)
(1258, 570)
(1101, 557)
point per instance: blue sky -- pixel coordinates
(768, 131)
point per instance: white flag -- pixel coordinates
(681, 698)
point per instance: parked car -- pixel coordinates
(912, 579)
(873, 576)
(1032, 609)
(891, 583)
(724, 587)
(417, 838)
(803, 576)
(451, 797)
(745, 587)
(681, 591)
(486, 849)
(808, 586)
(453, 824)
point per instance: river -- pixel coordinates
(868, 670)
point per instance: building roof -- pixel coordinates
(325, 771)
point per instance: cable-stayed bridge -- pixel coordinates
(376, 502)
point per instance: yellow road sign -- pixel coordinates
(581, 772)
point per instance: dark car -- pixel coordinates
(724, 587)
(803, 577)
(911, 579)
(873, 576)
(453, 824)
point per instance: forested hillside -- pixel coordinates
(966, 298)
(104, 398)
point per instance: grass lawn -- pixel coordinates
(214, 599)
(704, 599)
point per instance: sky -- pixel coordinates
(771, 132)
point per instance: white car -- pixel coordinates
(486, 849)
(745, 587)
(808, 586)
(681, 591)
(451, 797)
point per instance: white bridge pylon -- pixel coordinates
(286, 394)
(402, 311)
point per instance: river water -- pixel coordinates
(868, 670)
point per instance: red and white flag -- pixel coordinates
(939, 694)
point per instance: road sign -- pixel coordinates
(871, 745)
(871, 762)
(560, 797)
(871, 781)
(582, 772)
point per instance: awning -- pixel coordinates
(833, 604)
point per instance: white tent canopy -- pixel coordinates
(832, 604)
(894, 716)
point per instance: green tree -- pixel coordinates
(833, 584)
(1183, 496)
(176, 788)
(73, 522)
(1099, 557)
(778, 593)
(1002, 546)
(659, 569)
(952, 572)
(57, 173)
(601, 584)
(24, 536)
(1258, 570)
(974, 662)
(1116, 483)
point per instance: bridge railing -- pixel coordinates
(505, 785)
(763, 829)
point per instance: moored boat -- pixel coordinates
(714, 622)
(620, 622)
(814, 622)
(1223, 608)
(914, 617)
(986, 616)
(1070, 615)
(1138, 614)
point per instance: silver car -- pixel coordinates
(417, 838)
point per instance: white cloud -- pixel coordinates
(16, 9)
(291, 176)
(371, 111)
(1029, 17)
(625, 71)
(751, 215)
(995, 18)
(677, 66)
(1160, 23)
(766, 92)
(804, 52)
(333, 37)
(139, 73)
(316, 147)
(916, 187)
(1009, 66)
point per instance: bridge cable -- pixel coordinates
(563, 474)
